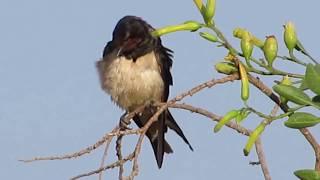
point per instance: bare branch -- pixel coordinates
(87, 150)
(110, 166)
(119, 154)
(104, 157)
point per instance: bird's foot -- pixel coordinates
(124, 122)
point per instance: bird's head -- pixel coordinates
(132, 37)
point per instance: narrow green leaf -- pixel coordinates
(313, 79)
(292, 94)
(307, 174)
(300, 120)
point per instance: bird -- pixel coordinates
(135, 70)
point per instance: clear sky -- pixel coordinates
(51, 102)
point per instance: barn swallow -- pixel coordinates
(135, 71)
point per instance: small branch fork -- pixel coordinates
(173, 103)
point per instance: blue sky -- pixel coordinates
(51, 102)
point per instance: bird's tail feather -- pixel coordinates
(156, 133)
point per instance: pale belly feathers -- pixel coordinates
(131, 84)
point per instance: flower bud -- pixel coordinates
(190, 25)
(199, 4)
(253, 137)
(210, 10)
(208, 36)
(290, 36)
(270, 49)
(246, 45)
(285, 81)
(229, 57)
(226, 119)
(244, 82)
(186, 26)
(225, 68)
(239, 32)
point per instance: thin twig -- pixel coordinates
(262, 159)
(115, 132)
(259, 147)
(119, 154)
(315, 145)
(110, 166)
(87, 150)
(105, 153)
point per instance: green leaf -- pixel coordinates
(313, 78)
(300, 120)
(317, 68)
(303, 85)
(292, 94)
(307, 174)
(316, 100)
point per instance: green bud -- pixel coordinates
(257, 42)
(186, 26)
(226, 119)
(244, 82)
(210, 10)
(285, 81)
(270, 49)
(199, 4)
(226, 68)
(246, 45)
(208, 36)
(253, 137)
(239, 32)
(290, 36)
(242, 115)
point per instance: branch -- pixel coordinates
(161, 107)
(315, 145)
(154, 118)
(106, 137)
(104, 156)
(119, 154)
(110, 166)
(235, 126)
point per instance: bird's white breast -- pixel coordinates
(131, 84)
